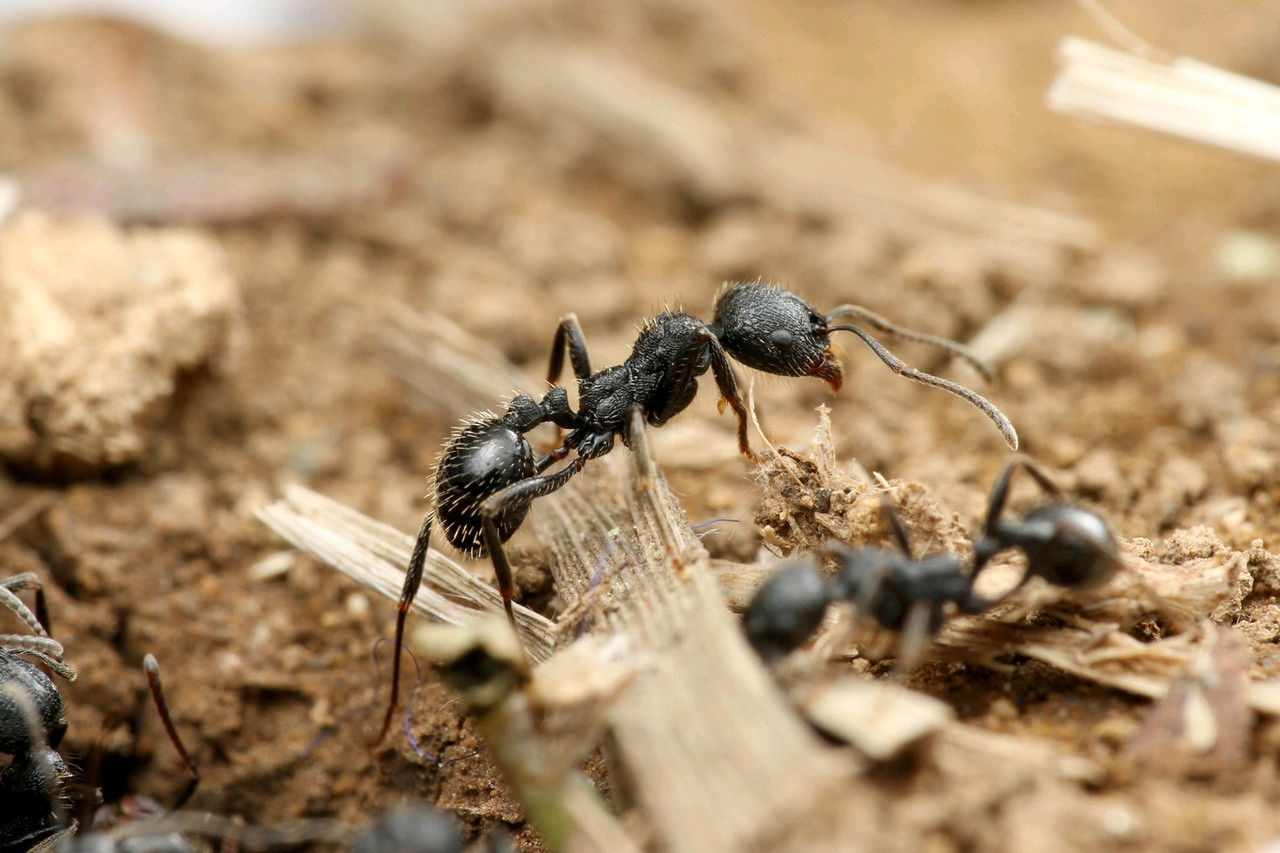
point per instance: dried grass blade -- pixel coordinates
(374, 554)
(1183, 98)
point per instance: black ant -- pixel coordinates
(488, 476)
(897, 591)
(1065, 544)
(32, 787)
(31, 723)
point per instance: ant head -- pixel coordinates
(786, 609)
(775, 331)
(1076, 551)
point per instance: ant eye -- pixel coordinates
(781, 339)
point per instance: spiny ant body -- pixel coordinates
(488, 476)
(1066, 544)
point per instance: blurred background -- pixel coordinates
(235, 232)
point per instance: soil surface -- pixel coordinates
(1157, 405)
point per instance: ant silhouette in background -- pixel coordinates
(891, 587)
(1064, 543)
(488, 475)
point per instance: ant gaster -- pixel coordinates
(487, 476)
(1065, 544)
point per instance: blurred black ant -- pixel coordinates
(1065, 544)
(898, 592)
(32, 788)
(31, 723)
(487, 477)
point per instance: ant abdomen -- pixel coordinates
(482, 459)
(1080, 552)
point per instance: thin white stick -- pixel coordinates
(1184, 98)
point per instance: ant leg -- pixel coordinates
(28, 580)
(526, 491)
(973, 398)
(569, 334)
(913, 637)
(412, 580)
(152, 669)
(20, 609)
(889, 514)
(728, 387)
(882, 325)
(1049, 487)
(646, 471)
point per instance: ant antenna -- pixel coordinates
(880, 324)
(152, 669)
(899, 367)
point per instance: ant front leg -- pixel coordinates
(727, 384)
(513, 497)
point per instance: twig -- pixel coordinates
(1183, 98)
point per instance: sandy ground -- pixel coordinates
(1158, 406)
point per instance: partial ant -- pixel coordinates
(1066, 544)
(32, 787)
(488, 476)
(31, 723)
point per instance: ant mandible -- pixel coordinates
(488, 475)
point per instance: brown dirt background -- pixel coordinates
(155, 557)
